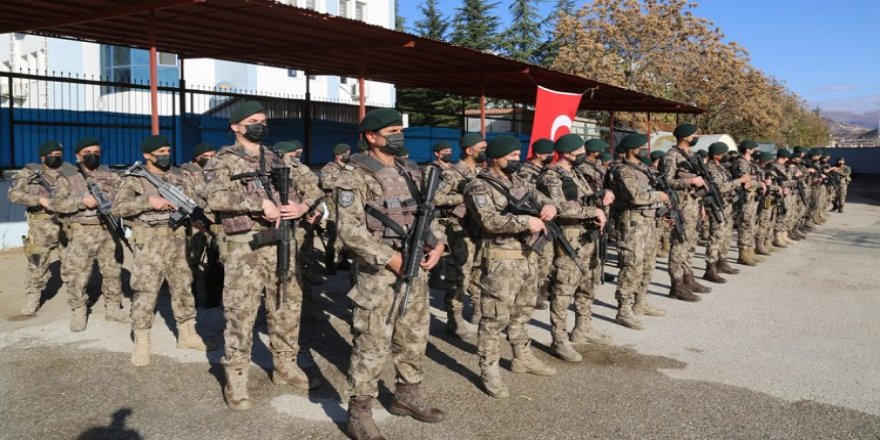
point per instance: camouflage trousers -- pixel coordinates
(636, 229)
(207, 272)
(569, 283)
(720, 236)
(458, 268)
(87, 244)
(404, 338)
(509, 287)
(250, 273)
(780, 221)
(796, 211)
(747, 222)
(841, 195)
(821, 206)
(43, 237)
(681, 252)
(159, 256)
(766, 220)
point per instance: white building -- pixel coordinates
(42, 55)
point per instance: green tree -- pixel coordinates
(549, 48)
(522, 40)
(433, 24)
(399, 20)
(475, 27)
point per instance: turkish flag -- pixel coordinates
(554, 113)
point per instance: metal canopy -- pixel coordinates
(274, 34)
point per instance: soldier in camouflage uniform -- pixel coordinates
(33, 187)
(159, 250)
(243, 198)
(328, 177)
(593, 170)
(785, 181)
(376, 207)
(509, 280)
(845, 173)
(721, 233)
(679, 176)
(764, 200)
(746, 222)
(663, 229)
(580, 220)
(304, 180)
(636, 203)
(204, 255)
(542, 155)
(461, 233)
(89, 238)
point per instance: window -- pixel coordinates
(343, 8)
(291, 73)
(167, 59)
(360, 11)
(310, 4)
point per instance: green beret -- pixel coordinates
(440, 146)
(799, 149)
(596, 145)
(543, 146)
(153, 143)
(203, 147)
(285, 147)
(380, 118)
(718, 148)
(470, 139)
(815, 152)
(702, 153)
(606, 157)
(782, 152)
(766, 156)
(733, 153)
(748, 144)
(684, 130)
(502, 146)
(341, 148)
(568, 143)
(86, 142)
(296, 144)
(244, 110)
(645, 160)
(50, 146)
(632, 141)
(657, 154)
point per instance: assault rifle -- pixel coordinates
(713, 194)
(527, 205)
(113, 224)
(802, 192)
(41, 180)
(672, 209)
(414, 244)
(186, 207)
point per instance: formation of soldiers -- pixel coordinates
(512, 236)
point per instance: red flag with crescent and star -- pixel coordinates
(554, 114)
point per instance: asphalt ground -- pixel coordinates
(788, 349)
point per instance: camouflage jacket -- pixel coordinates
(71, 187)
(633, 188)
(26, 188)
(132, 197)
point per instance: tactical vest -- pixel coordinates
(254, 186)
(459, 211)
(34, 188)
(78, 189)
(400, 198)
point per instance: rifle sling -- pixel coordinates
(385, 220)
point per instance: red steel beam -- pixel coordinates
(96, 16)
(154, 76)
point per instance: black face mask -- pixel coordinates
(482, 158)
(162, 161)
(256, 132)
(693, 142)
(91, 161)
(53, 161)
(547, 160)
(446, 158)
(393, 143)
(203, 161)
(512, 167)
(580, 159)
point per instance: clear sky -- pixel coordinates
(828, 51)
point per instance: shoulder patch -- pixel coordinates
(345, 198)
(481, 200)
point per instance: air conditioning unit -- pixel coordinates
(19, 90)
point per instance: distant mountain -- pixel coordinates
(867, 120)
(843, 130)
